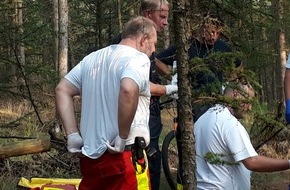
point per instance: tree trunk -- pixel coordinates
(56, 32)
(280, 57)
(19, 23)
(25, 147)
(119, 15)
(63, 38)
(182, 23)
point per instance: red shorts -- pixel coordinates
(111, 172)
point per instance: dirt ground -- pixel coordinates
(271, 181)
(260, 181)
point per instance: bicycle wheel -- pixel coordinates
(169, 155)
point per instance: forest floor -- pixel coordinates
(58, 163)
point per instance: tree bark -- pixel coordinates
(119, 16)
(63, 38)
(19, 23)
(276, 93)
(281, 58)
(25, 147)
(181, 17)
(56, 32)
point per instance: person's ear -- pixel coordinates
(143, 40)
(147, 14)
(235, 93)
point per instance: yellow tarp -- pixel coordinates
(38, 182)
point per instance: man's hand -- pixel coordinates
(74, 143)
(118, 145)
(287, 111)
(171, 89)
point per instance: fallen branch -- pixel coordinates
(24, 147)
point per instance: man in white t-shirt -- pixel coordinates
(225, 156)
(114, 85)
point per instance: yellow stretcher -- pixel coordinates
(49, 183)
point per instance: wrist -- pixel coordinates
(166, 89)
(72, 134)
(123, 138)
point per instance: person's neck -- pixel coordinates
(200, 39)
(129, 42)
(231, 109)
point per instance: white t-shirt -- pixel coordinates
(219, 132)
(288, 62)
(98, 78)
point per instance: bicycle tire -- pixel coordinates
(169, 151)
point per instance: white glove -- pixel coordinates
(74, 143)
(170, 89)
(118, 145)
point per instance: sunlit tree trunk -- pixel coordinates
(280, 59)
(99, 23)
(132, 10)
(166, 37)
(56, 32)
(119, 15)
(63, 38)
(183, 23)
(19, 23)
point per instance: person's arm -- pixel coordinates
(157, 89)
(163, 69)
(160, 90)
(266, 164)
(166, 57)
(64, 92)
(127, 105)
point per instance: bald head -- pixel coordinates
(240, 90)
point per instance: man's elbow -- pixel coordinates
(252, 164)
(129, 88)
(64, 87)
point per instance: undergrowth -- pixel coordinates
(18, 122)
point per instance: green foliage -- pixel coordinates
(217, 159)
(263, 125)
(264, 128)
(210, 74)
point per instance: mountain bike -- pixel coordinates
(169, 151)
